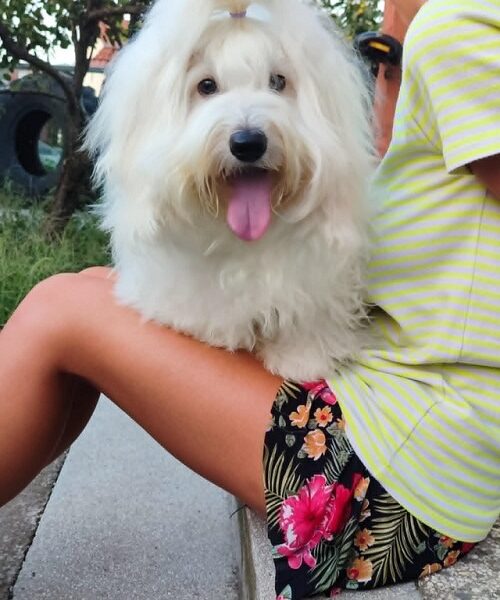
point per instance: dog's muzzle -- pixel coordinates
(248, 145)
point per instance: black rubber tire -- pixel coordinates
(22, 117)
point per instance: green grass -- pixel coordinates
(26, 257)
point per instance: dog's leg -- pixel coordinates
(297, 357)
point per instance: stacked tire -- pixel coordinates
(23, 115)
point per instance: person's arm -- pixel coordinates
(487, 170)
(407, 9)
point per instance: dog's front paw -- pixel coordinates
(298, 363)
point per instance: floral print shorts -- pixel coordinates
(331, 524)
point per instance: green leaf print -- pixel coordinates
(352, 585)
(287, 389)
(441, 551)
(398, 537)
(421, 548)
(339, 453)
(332, 557)
(326, 570)
(286, 594)
(281, 480)
(335, 430)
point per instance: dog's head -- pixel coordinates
(226, 111)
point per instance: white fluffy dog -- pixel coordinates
(234, 147)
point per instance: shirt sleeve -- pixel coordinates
(453, 60)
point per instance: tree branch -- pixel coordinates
(101, 14)
(19, 52)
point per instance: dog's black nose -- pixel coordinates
(248, 145)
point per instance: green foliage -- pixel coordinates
(355, 16)
(26, 257)
(40, 25)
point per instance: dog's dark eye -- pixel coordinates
(207, 87)
(277, 82)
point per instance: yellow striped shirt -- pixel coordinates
(423, 405)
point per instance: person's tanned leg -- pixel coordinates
(82, 396)
(206, 406)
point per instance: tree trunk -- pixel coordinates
(67, 198)
(75, 174)
(76, 168)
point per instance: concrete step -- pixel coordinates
(476, 577)
(126, 521)
(18, 523)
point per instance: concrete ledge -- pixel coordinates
(257, 570)
(18, 523)
(473, 578)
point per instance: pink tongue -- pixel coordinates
(249, 211)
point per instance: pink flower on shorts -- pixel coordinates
(317, 512)
(320, 389)
(341, 506)
(302, 521)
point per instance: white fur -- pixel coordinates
(295, 297)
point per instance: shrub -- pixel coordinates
(26, 257)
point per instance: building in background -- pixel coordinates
(103, 53)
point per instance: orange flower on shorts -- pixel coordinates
(361, 489)
(451, 558)
(270, 423)
(341, 423)
(365, 510)
(301, 417)
(323, 416)
(360, 570)
(364, 539)
(446, 541)
(430, 569)
(315, 444)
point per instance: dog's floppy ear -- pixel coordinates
(334, 102)
(143, 87)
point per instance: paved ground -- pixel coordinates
(127, 521)
(18, 522)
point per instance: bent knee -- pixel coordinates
(102, 272)
(47, 294)
(53, 288)
(41, 314)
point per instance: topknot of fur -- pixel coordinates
(232, 6)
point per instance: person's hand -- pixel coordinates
(407, 9)
(487, 170)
